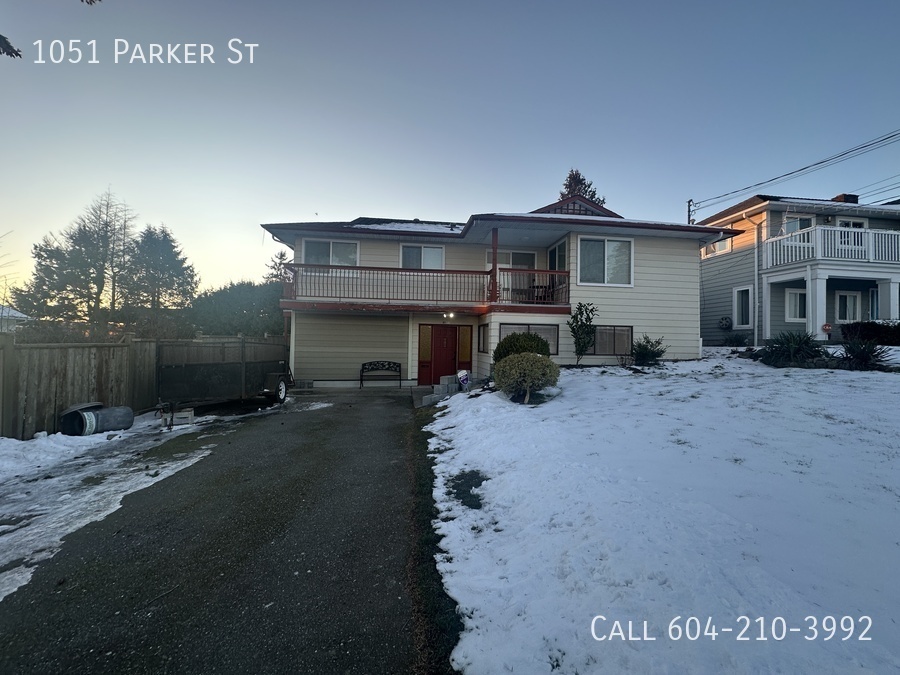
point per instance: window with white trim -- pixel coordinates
(794, 222)
(795, 305)
(550, 332)
(519, 260)
(605, 262)
(846, 306)
(742, 304)
(415, 257)
(853, 223)
(321, 252)
(717, 248)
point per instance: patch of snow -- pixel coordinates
(715, 489)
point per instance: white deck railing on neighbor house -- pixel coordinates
(338, 283)
(833, 243)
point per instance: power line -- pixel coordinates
(861, 149)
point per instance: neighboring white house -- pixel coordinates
(437, 297)
(10, 318)
(800, 265)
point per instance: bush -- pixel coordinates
(881, 332)
(521, 343)
(863, 354)
(736, 340)
(519, 375)
(791, 349)
(647, 352)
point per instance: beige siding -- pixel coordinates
(332, 346)
(663, 301)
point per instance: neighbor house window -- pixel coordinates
(795, 305)
(550, 332)
(422, 257)
(604, 261)
(612, 340)
(794, 222)
(847, 306)
(717, 247)
(742, 302)
(483, 338)
(853, 223)
(316, 252)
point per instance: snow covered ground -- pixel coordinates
(732, 495)
(53, 485)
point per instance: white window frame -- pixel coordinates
(837, 305)
(734, 307)
(873, 304)
(422, 246)
(330, 242)
(791, 216)
(717, 248)
(848, 223)
(788, 292)
(630, 283)
(488, 257)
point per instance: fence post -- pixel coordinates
(9, 381)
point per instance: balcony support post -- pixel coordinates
(816, 299)
(889, 299)
(494, 287)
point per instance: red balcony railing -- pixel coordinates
(338, 283)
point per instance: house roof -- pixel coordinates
(539, 228)
(578, 205)
(818, 205)
(287, 232)
(7, 312)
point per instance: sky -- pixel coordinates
(426, 110)
(676, 512)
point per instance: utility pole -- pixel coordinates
(690, 204)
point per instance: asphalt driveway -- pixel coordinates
(284, 551)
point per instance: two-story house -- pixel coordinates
(800, 265)
(437, 297)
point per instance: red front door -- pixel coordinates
(443, 352)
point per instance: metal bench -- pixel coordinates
(383, 370)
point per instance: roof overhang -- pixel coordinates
(538, 229)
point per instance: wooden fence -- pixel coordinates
(38, 381)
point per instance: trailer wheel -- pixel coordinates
(280, 391)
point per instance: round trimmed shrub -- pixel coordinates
(521, 343)
(519, 375)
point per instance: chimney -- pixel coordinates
(847, 198)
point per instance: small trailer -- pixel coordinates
(211, 369)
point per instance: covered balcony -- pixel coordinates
(417, 289)
(833, 243)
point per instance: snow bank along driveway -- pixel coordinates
(760, 506)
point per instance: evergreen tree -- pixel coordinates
(76, 274)
(158, 274)
(244, 308)
(276, 266)
(576, 184)
(581, 325)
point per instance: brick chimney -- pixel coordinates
(846, 198)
